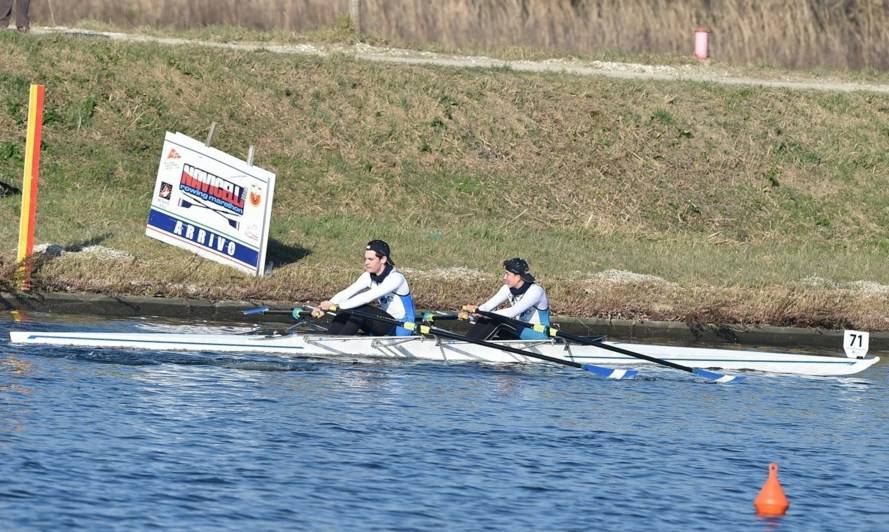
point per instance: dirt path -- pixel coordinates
(367, 52)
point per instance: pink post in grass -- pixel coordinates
(702, 43)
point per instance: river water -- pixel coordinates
(122, 440)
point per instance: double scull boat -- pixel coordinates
(440, 349)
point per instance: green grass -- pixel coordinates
(752, 204)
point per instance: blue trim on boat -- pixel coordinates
(827, 360)
(151, 342)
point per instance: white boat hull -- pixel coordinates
(420, 348)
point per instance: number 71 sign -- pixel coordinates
(856, 343)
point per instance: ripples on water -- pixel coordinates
(106, 439)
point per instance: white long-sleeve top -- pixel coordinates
(525, 307)
(393, 294)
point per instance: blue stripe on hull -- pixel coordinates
(155, 342)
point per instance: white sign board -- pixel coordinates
(856, 343)
(211, 203)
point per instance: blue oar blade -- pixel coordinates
(256, 310)
(611, 373)
(717, 377)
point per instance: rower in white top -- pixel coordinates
(527, 302)
(380, 283)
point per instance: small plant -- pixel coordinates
(662, 117)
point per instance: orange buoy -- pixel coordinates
(771, 501)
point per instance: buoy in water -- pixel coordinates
(771, 501)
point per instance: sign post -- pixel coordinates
(30, 183)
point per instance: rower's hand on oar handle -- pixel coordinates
(467, 311)
(324, 306)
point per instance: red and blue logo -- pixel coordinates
(209, 188)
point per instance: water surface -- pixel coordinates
(111, 439)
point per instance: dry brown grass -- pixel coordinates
(806, 33)
(826, 307)
(7, 273)
(264, 14)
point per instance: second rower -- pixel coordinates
(527, 302)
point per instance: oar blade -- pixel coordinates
(610, 373)
(255, 310)
(718, 377)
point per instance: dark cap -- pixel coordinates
(519, 267)
(381, 248)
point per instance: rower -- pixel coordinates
(527, 301)
(380, 283)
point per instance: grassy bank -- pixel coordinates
(663, 200)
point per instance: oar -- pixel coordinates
(607, 373)
(427, 316)
(552, 331)
(256, 311)
(296, 313)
